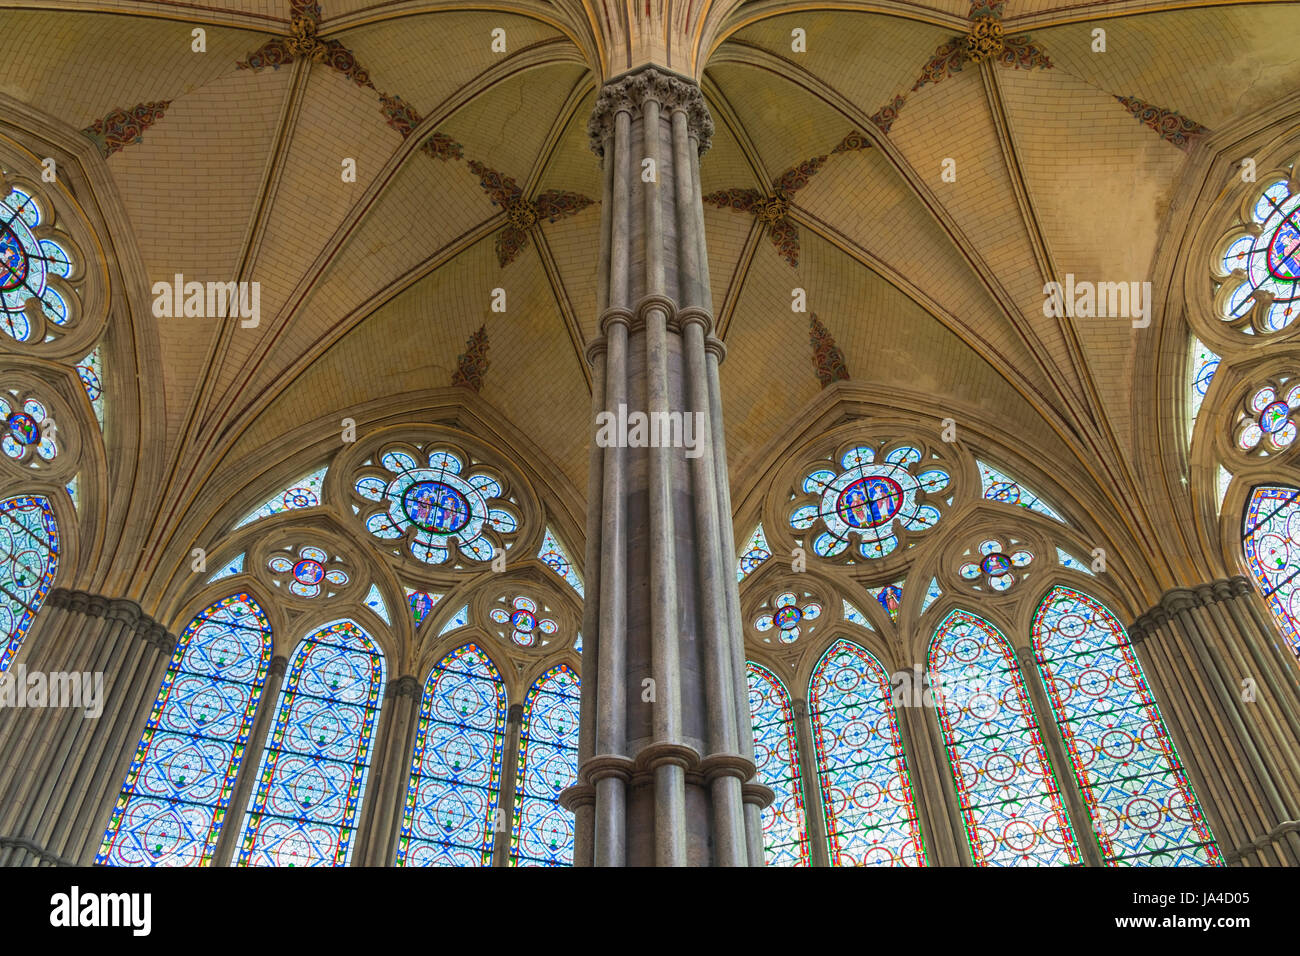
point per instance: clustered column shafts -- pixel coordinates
(666, 751)
(381, 814)
(62, 767)
(1231, 700)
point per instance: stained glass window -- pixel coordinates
(1139, 797)
(548, 762)
(1267, 425)
(1010, 801)
(428, 498)
(522, 620)
(870, 815)
(91, 372)
(1001, 487)
(178, 787)
(1271, 539)
(29, 559)
(30, 267)
(421, 603)
(307, 571)
(1204, 364)
(756, 551)
(1263, 256)
(890, 597)
(1072, 563)
(375, 601)
(853, 615)
(787, 616)
(868, 499)
(557, 559)
(1223, 479)
(303, 493)
(74, 491)
(452, 798)
(27, 434)
(234, 566)
(995, 567)
(459, 619)
(932, 593)
(313, 772)
(776, 751)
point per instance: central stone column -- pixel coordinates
(666, 772)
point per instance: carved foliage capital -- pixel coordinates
(630, 93)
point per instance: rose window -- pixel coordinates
(1258, 263)
(997, 567)
(523, 622)
(1267, 424)
(26, 432)
(307, 572)
(33, 270)
(868, 500)
(787, 616)
(430, 500)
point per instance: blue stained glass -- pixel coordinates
(755, 553)
(375, 601)
(459, 619)
(303, 493)
(1141, 802)
(855, 616)
(1271, 540)
(91, 372)
(785, 833)
(1001, 487)
(29, 559)
(867, 794)
(890, 597)
(313, 772)
(452, 799)
(557, 559)
(230, 569)
(27, 265)
(932, 593)
(1010, 801)
(1204, 364)
(178, 787)
(1073, 563)
(421, 603)
(548, 762)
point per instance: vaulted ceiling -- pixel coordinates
(372, 288)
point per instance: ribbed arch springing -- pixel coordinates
(178, 787)
(1010, 801)
(871, 816)
(1142, 805)
(313, 773)
(776, 752)
(453, 795)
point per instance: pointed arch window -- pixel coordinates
(29, 559)
(1270, 537)
(548, 762)
(776, 751)
(1010, 801)
(313, 772)
(1137, 792)
(867, 794)
(178, 787)
(454, 789)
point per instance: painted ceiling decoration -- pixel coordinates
(828, 360)
(303, 44)
(984, 41)
(1172, 126)
(773, 209)
(473, 362)
(523, 214)
(123, 127)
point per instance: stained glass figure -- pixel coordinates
(303, 493)
(867, 794)
(1270, 537)
(308, 572)
(776, 752)
(1137, 792)
(313, 773)
(890, 597)
(1072, 563)
(421, 603)
(91, 372)
(29, 559)
(429, 500)
(1204, 364)
(548, 762)
(375, 601)
(868, 499)
(556, 558)
(1267, 424)
(27, 435)
(523, 621)
(998, 568)
(452, 799)
(30, 269)
(178, 787)
(232, 567)
(788, 615)
(756, 551)
(1010, 801)
(1001, 487)
(1262, 256)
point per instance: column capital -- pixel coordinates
(279, 664)
(577, 796)
(601, 766)
(630, 92)
(121, 609)
(727, 765)
(758, 794)
(404, 686)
